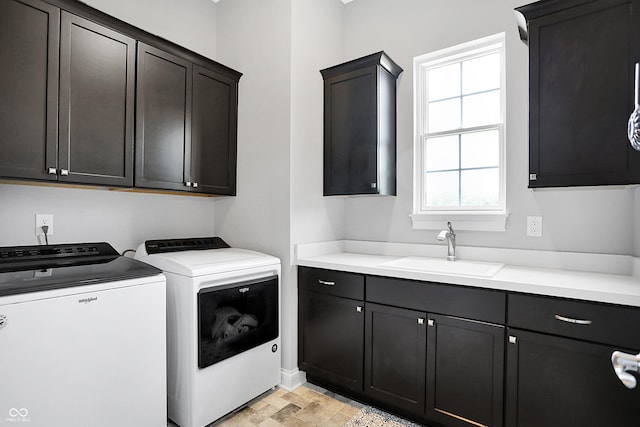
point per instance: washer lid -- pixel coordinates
(212, 261)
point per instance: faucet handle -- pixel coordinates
(450, 228)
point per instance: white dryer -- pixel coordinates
(223, 325)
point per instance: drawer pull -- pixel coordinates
(324, 282)
(570, 320)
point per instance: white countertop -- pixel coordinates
(591, 277)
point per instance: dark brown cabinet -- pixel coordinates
(67, 108)
(465, 372)
(395, 356)
(581, 89)
(74, 94)
(360, 126)
(29, 58)
(559, 370)
(433, 368)
(163, 126)
(554, 381)
(186, 128)
(97, 96)
(214, 127)
(331, 327)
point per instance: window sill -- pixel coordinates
(460, 221)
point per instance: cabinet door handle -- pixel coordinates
(64, 172)
(52, 171)
(431, 322)
(623, 363)
(188, 183)
(324, 282)
(574, 321)
(420, 321)
(195, 185)
(512, 339)
(359, 309)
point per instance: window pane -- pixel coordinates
(444, 82)
(444, 115)
(481, 109)
(442, 189)
(442, 153)
(480, 187)
(480, 149)
(481, 74)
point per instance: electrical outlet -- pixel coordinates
(534, 226)
(44, 219)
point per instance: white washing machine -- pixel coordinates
(82, 338)
(223, 325)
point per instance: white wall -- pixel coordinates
(254, 37)
(280, 46)
(189, 23)
(123, 219)
(583, 220)
(316, 43)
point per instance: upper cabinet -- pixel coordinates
(186, 129)
(29, 43)
(163, 113)
(97, 80)
(74, 109)
(68, 97)
(214, 127)
(581, 87)
(360, 126)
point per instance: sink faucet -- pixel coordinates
(450, 237)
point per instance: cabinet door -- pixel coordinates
(29, 40)
(465, 364)
(331, 335)
(561, 382)
(97, 77)
(395, 356)
(581, 94)
(214, 132)
(350, 133)
(163, 120)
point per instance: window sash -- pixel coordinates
(458, 54)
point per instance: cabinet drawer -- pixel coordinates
(330, 282)
(472, 303)
(604, 323)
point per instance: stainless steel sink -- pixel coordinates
(441, 266)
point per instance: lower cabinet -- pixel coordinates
(453, 356)
(435, 369)
(555, 381)
(559, 370)
(465, 360)
(395, 356)
(331, 338)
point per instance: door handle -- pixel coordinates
(623, 363)
(574, 321)
(324, 282)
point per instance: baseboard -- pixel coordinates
(290, 380)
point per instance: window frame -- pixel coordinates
(489, 218)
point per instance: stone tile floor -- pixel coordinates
(306, 406)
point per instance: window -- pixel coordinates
(459, 172)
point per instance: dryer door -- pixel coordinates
(235, 318)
